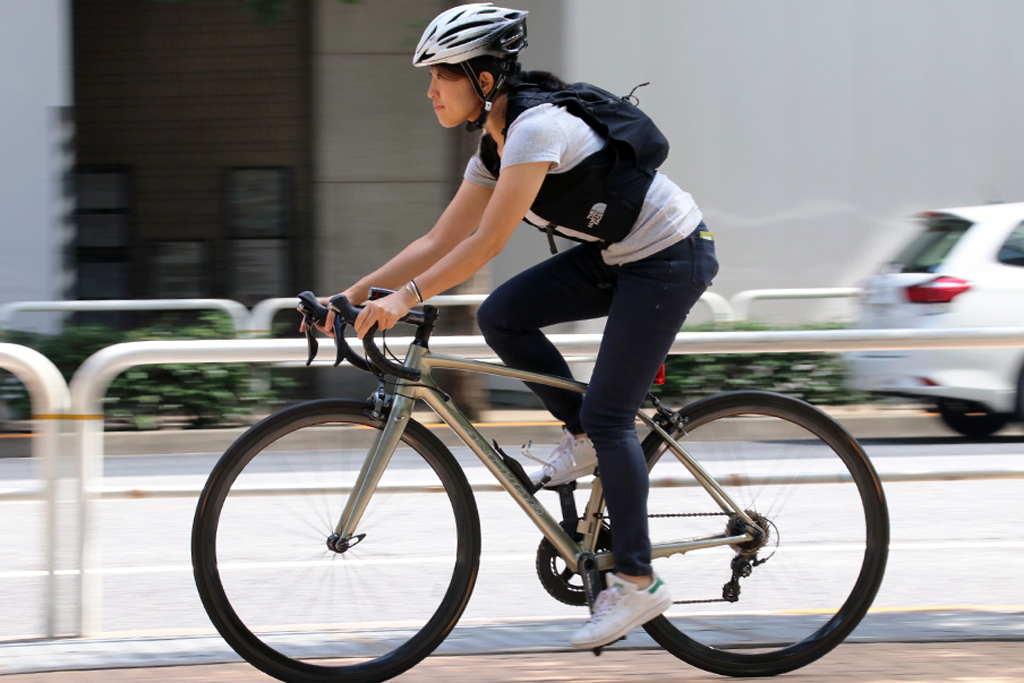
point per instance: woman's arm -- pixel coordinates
(458, 221)
(515, 192)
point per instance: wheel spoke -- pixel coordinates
(761, 448)
(262, 585)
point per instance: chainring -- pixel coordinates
(558, 580)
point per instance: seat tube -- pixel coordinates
(377, 459)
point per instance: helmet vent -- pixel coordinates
(464, 27)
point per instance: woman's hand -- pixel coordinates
(328, 325)
(384, 312)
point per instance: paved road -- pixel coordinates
(988, 662)
(952, 547)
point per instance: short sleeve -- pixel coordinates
(537, 135)
(478, 174)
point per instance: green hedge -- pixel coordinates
(814, 377)
(199, 395)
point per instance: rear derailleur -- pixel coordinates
(746, 559)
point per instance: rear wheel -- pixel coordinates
(786, 598)
(971, 419)
(364, 611)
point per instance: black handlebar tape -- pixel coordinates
(317, 313)
(345, 314)
(381, 361)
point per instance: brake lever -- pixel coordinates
(339, 336)
(312, 344)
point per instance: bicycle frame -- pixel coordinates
(407, 393)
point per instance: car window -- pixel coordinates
(930, 248)
(1012, 251)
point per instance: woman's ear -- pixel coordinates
(486, 82)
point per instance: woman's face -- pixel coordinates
(454, 101)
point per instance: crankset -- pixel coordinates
(558, 580)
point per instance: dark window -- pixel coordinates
(102, 251)
(1012, 251)
(930, 248)
(259, 213)
(180, 270)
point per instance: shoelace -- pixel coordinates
(606, 601)
(561, 451)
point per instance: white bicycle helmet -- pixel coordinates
(469, 31)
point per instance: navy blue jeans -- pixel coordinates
(646, 303)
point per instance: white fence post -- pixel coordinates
(50, 404)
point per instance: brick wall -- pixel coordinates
(181, 92)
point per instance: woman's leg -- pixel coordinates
(651, 300)
(572, 285)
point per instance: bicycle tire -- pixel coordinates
(828, 529)
(263, 579)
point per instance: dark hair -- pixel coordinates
(545, 80)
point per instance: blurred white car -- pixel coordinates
(964, 269)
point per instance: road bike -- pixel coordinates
(339, 540)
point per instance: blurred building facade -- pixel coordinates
(36, 148)
(221, 154)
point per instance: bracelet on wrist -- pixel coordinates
(411, 287)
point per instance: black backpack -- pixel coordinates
(610, 185)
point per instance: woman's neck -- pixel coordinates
(496, 120)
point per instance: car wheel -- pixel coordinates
(971, 419)
(1020, 396)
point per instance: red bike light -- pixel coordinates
(660, 378)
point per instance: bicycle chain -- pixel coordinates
(691, 514)
(664, 515)
(687, 514)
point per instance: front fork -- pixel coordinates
(377, 459)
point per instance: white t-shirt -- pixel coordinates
(549, 133)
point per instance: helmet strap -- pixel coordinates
(488, 99)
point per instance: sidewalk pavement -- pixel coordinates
(494, 645)
(963, 662)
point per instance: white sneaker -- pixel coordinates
(619, 609)
(571, 459)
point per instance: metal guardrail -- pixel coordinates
(94, 376)
(50, 403)
(82, 404)
(238, 313)
(257, 323)
(263, 313)
(740, 303)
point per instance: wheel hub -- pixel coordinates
(342, 545)
(737, 526)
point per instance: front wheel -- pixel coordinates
(790, 595)
(301, 611)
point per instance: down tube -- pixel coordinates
(465, 430)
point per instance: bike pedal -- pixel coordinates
(598, 650)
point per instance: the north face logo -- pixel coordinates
(595, 215)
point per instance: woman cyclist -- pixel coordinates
(644, 261)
